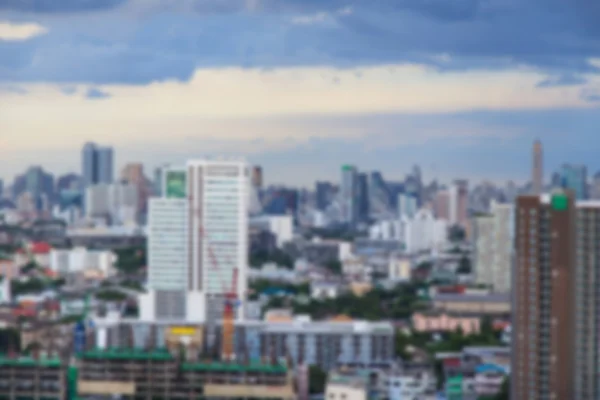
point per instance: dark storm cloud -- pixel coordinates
(172, 38)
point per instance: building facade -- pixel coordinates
(556, 301)
(198, 234)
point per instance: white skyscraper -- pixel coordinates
(197, 237)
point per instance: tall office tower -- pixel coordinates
(198, 232)
(257, 177)
(348, 190)
(379, 196)
(459, 203)
(493, 235)
(323, 191)
(537, 170)
(96, 164)
(574, 177)
(362, 197)
(556, 315)
(441, 205)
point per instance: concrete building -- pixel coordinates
(400, 268)
(425, 232)
(5, 293)
(282, 226)
(117, 201)
(556, 302)
(458, 203)
(198, 236)
(97, 164)
(81, 259)
(494, 247)
(407, 205)
(348, 191)
(322, 343)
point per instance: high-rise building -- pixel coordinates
(441, 205)
(459, 203)
(537, 170)
(556, 314)
(323, 194)
(257, 177)
(198, 232)
(133, 174)
(574, 177)
(348, 190)
(379, 196)
(362, 197)
(493, 235)
(97, 164)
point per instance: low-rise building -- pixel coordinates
(326, 290)
(435, 321)
(490, 304)
(400, 268)
(81, 259)
(37, 252)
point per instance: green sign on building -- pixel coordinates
(560, 202)
(175, 184)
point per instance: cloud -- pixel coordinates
(161, 39)
(562, 80)
(235, 104)
(19, 32)
(95, 94)
(58, 6)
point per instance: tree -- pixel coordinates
(131, 259)
(334, 266)
(504, 390)
(317, 379)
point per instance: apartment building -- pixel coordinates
(556, 301)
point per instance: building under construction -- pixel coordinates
(142, 374)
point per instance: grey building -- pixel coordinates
(97, 164)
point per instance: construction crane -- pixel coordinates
(231, 300)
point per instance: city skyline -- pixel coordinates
(465, 91)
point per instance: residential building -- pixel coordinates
(198, 241)
(133, 174)
(494, 246)
(400, 268)
(425, 232)
(344, 386)
(437, 321)
(257, 177)
(37, 252)
(556, 321)
(490, 304)
(326, 290)
(5, 293)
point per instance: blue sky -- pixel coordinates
(301, 86)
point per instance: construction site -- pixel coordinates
(179, 371)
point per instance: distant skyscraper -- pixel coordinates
(97, 164)
(133, 173)
(574, 177)
(362, 197)
(1, 188)
(537, 171)
(556, 302)
(323, 191)
(407, 205)
(348, 190)
(257, 177)
(379, 196)
(458, 203)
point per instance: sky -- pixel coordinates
(301, 87)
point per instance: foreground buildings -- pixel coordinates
(555, 311)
